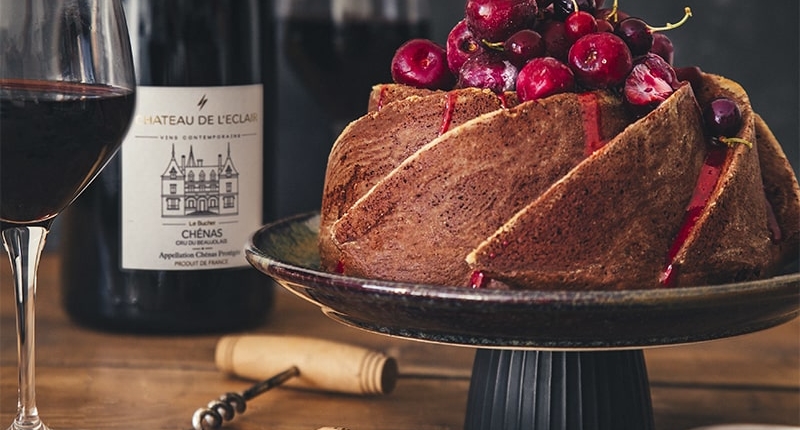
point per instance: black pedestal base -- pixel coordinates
(545, 390)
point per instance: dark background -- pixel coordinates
(753, 42)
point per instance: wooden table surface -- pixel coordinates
(93, 380)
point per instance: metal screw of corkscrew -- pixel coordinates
(229, 404)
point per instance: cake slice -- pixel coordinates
(370, 147)
(729, 241)
(420, 221)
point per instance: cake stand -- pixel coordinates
(544, 359)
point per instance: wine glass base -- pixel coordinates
(38, 425)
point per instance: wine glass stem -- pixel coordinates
(24, 246)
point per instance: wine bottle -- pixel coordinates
(168, 219)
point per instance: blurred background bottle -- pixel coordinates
(338, 49)
(169, 218)
(330, 54)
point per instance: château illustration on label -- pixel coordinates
(169, 217)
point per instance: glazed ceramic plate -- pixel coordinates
(287, 252)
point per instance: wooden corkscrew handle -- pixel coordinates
(324, 365)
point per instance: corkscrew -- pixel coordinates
(294, 361)
(229, 404)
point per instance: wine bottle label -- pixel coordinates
(192, 177)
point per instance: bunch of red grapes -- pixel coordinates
(543, 47)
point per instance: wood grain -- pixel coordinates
(94, 380)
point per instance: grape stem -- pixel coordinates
(687, 13)
(731, 141)
(613, 14)
(497, 46)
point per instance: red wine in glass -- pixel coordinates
(54, 138)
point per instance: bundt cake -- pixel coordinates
(586, 187)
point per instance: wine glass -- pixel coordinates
(67, 92)
(339, 49)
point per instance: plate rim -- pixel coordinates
(315, 283)
(445, 291)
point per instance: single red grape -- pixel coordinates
(636, 34)
(543, 77)
(579, 24)
(461, 44)
(488, 69)
(722, 117)
(423, 64)
(600, 60)
(555, 38)
(523, 46)
(651, 81)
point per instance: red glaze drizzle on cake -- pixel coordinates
(503, 100)
(477, 279)
(590, 111)
(381, 97)
(710, 173)
(447, 118)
